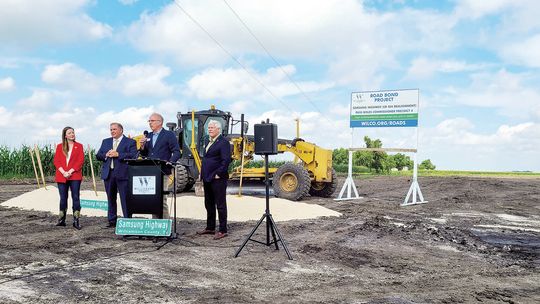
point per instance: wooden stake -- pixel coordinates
(92, 170)
(38, 157)
(34, 165)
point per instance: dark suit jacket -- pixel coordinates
(127, 149)
(166, 147)
(216, 160)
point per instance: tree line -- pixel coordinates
(379, 162)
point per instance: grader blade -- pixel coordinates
(252, 187)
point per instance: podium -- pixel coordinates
(145, 186)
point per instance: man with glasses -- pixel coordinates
(161, 144)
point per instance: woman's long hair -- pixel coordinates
(65, 145)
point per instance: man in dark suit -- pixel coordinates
(161, 144)
(214, 173)
(114, 172)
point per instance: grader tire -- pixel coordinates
(324, 189)
(181, 178)
(189, 185)
(291, 182)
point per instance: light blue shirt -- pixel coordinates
(154, 137)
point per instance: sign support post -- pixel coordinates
(349, 183)
(415, 187)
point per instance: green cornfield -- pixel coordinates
(17, 163)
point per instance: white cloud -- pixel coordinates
(17, 62)
(71, 76)
(135, 80)
(237, 83)
(170, 32)
(127, 2)
(91, 125)
(352, 43)
(518, 16)
(343, 109)
(39, 99)
(133, 119)
(508, 92)
(240, 106)
(477, 9)
(4, 122)
(7, 84)
(456, 144)
(143, 80)
(422, 68)
(506, 28)
(326, 132)
(30, 23)
(523, 52)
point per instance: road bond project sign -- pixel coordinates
(398, 108)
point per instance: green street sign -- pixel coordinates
(93, 204)
(146, 227)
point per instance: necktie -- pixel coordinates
(115, 145)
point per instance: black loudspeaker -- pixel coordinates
(266, 138)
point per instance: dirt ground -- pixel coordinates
(476, 240)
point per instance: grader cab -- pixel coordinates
(311, 174)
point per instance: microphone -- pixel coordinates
(145, 133)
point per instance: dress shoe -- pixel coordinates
(220, 235)
(111, 225)
(206, 231)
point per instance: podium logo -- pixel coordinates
(144, 185)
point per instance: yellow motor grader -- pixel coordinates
(311, 173)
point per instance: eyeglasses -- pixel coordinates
(152, 120)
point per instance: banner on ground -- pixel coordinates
(396, 108)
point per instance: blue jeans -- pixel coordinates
(75, 186)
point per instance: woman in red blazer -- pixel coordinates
(69, 160)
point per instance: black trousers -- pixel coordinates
(113, 187)
(215, 198)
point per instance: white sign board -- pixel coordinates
(144, 185)
(398, 108)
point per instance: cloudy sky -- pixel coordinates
(86, 63)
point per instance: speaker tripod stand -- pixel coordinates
(270, 224)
